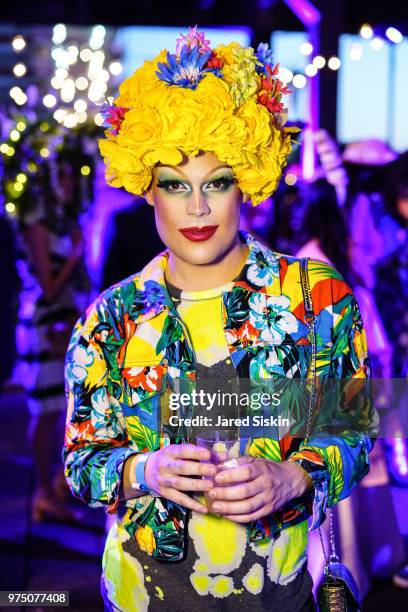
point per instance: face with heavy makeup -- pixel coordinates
(197, 209)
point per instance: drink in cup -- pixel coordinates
(225, 446)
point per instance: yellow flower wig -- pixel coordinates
(225, 100)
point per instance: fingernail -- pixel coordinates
(216, 507)
(212, 494)
(220, 478)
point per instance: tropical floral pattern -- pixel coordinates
(130, 348)
(271, 315)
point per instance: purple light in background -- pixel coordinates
(305, 11)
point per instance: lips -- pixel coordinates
(199, 234)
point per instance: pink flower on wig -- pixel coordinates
(192, 39)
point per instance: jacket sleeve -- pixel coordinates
(96, 441)
(336, 454)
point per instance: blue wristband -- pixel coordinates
(141, 484)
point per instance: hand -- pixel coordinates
(168, 471)
(257, 487)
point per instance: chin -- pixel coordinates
(201, 253)
(198, 254)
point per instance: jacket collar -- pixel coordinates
(260, 273)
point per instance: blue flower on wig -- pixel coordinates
(186, 70)
(264, 54)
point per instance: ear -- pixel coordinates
(148, 196)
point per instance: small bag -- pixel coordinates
(338, 591)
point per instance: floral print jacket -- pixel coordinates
(130, 346)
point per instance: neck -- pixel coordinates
(196, 277)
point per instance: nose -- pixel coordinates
(197, 205)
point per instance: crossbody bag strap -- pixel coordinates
(310, 321)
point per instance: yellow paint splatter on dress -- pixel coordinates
(254, 579)
(200, 582)
(219, 543)
(123, 574)
(288, 554)
(262, 549)
(200, 567)
(238, 591)
(221, 586)
(159, 593)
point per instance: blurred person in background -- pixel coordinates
(325, 236)
(56, 287)
(9, 282)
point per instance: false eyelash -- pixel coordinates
(167, 182)
(228, 180)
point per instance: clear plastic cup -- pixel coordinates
(225, 446)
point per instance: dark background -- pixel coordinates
(262, 15)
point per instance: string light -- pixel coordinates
(10, 151)
(366, 31)
(73, 53)
(59, 114)
(311, 70)
(21, 99)
(97, 37)
(70, 120)
(115, 68)
(81, 83)
(20, 70)
(285, 75)
(356, 52)
(4, 148)
(49, 101)
(99, 120)
(319, 61)
(377, 43)
(14, 135)
(15, 91)
(306, 48)
(334, 63)
(61, 73)
(59, 34)
(44, 152)
(10, 208)
(290, 179)
(21, 178)
(81, 117)
(85, 55)
(67, 90)
(394, 35)
(85, 170)
(21, 126)
(18, 43)
(80, 106)
(299, 81)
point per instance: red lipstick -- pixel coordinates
(198, 234)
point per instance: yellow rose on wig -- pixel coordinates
(165, 123)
